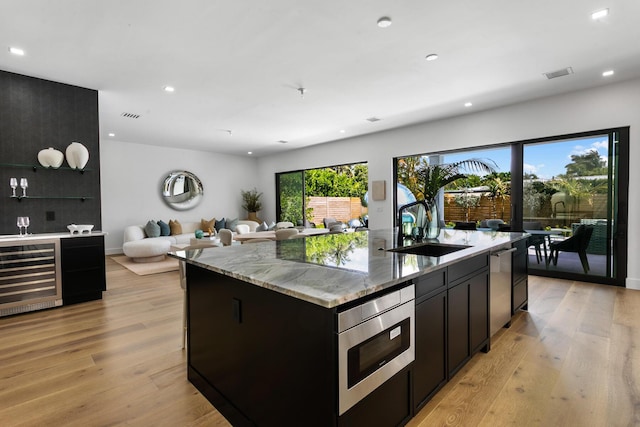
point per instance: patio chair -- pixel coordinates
(465, 225)
(536, 240)
(577, 243)
(328, 221)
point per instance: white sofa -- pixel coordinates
(141, 248)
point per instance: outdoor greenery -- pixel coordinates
(580, 182)
(589, 164)
(425, 180)
(338, 181)
(291, 197)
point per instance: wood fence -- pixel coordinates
(341, 208)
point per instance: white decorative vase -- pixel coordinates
(50, 157)
(77, 155)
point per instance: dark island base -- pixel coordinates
(230, 412)
(394, 394)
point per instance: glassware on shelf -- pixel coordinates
(24, 184)
(20, 223)
(13, 182)
(25, 222)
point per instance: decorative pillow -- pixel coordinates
(231, 224)
(152, 229)
(220, 224)
(262, 227)
(164, 228)
(175, 226)
(207, 225)
(272, 226)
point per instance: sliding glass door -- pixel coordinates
(569, 192)
(570, 199)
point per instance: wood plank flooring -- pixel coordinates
(572, 360)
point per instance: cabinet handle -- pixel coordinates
(504, 252)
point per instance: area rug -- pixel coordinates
(144, 268)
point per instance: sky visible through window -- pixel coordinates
(546, 160)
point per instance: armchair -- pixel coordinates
(577, 243)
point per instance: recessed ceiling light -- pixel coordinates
(599, 14)
(169, 89)
(249, 152)
(16, 51)
(431, 57)
(112, 135)
(468, 104)
(384, 22)
(342, 131)
(607, 73)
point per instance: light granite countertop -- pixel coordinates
(331, 270)
(16, 238)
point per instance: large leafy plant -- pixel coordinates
(251, 200)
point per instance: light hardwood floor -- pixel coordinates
(572, 360)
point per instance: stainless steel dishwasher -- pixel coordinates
(500, 314)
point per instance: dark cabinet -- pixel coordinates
(262, 357)
(478, 311)
(393, 396)
(458, 327)
(519, 277)
(83, 269)
(467, 311)
(429, 368)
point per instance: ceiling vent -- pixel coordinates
(282, 141)
(130, 115)
(373, 119)
(559, 73)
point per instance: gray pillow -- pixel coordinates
(164, 228)
(272, 226)
(152, 229)
(220, 224)
(231, 224)
(262, 227)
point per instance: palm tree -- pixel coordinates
(432, 178)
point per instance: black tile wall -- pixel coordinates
(37, 114)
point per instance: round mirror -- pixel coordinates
(182, 190)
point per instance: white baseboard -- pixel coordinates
(633, 283)
(113, 251)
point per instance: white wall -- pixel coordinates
(613, 105)
(132, 177)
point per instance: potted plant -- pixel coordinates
(251, 203)
(432, 178)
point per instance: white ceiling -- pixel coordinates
(237, 65)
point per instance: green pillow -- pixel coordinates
(152, 229)
(231, 224)
(164, 228)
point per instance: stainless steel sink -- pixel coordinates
(430, 249)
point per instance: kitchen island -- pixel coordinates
(265, 322)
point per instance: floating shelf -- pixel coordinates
(36, 167)
(81, 198)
